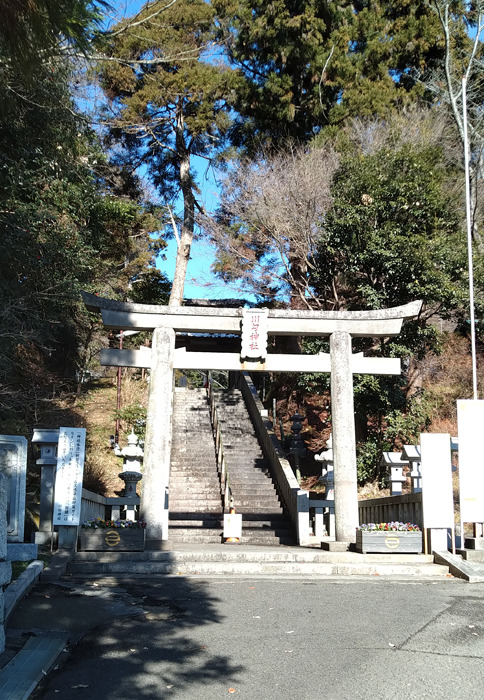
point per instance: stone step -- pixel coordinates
(248, 478)
(263, 535)
(192, 481)
(191, 495)
(216, 524)
(267, 524)
(249, 560)
(198, 535)
(189, 509)
(212, 516)
(261, 490)
(200, 453)
(189, 506)
(256, 504)
(209, 496)
(246, 467)
(202, 468)
(200, 478)
(261, 513)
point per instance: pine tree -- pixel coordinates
(169, 102)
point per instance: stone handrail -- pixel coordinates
(406, 508)
(94, 506)
(219, 449)
(295, 499)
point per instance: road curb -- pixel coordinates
(21, 586)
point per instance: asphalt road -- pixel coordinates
(193, 639)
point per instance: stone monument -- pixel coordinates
(13, 465)
(5, 566)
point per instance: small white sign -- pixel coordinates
(254, 333)
(68, 478)
(470, 421)
(233, 525)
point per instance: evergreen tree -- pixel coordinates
(62, 229)
(313, 63)
(169, 102)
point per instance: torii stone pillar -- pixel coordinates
(156, 467)
(344, 439)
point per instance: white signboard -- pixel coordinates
(254, 333)
(233, 525)
(470, 423)
(436, 469)
(68, 478)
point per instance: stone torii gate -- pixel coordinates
(165, 321)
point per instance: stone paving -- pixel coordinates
(189, 637)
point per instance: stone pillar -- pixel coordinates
(344, 440)
(5, 566)
(156, 470)
(47, 441)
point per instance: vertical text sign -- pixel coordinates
(68, 478)
(470, 419)
(254, 333)
(436, 466)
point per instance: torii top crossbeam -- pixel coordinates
(143, 317)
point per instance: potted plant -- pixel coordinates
(112, 535)
(391, 537)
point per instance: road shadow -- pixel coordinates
(160, 653)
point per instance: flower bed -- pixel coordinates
(389, 527)
(99, 524)
(396, 537)
(112, 535)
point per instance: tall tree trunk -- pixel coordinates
(415, 378)
(186, 237)
(298, 279)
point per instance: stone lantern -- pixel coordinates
(296, 447)
(132, 456)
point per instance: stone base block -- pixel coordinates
(338, 546)
(57, 566)
(45, 538)
(18, 551)
(5, 575)
(158, 545)
(474, 542)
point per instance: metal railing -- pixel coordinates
(225, 489)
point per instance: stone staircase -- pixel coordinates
(254, 494)
(195, 499)
(196, 513)
(253, 561)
